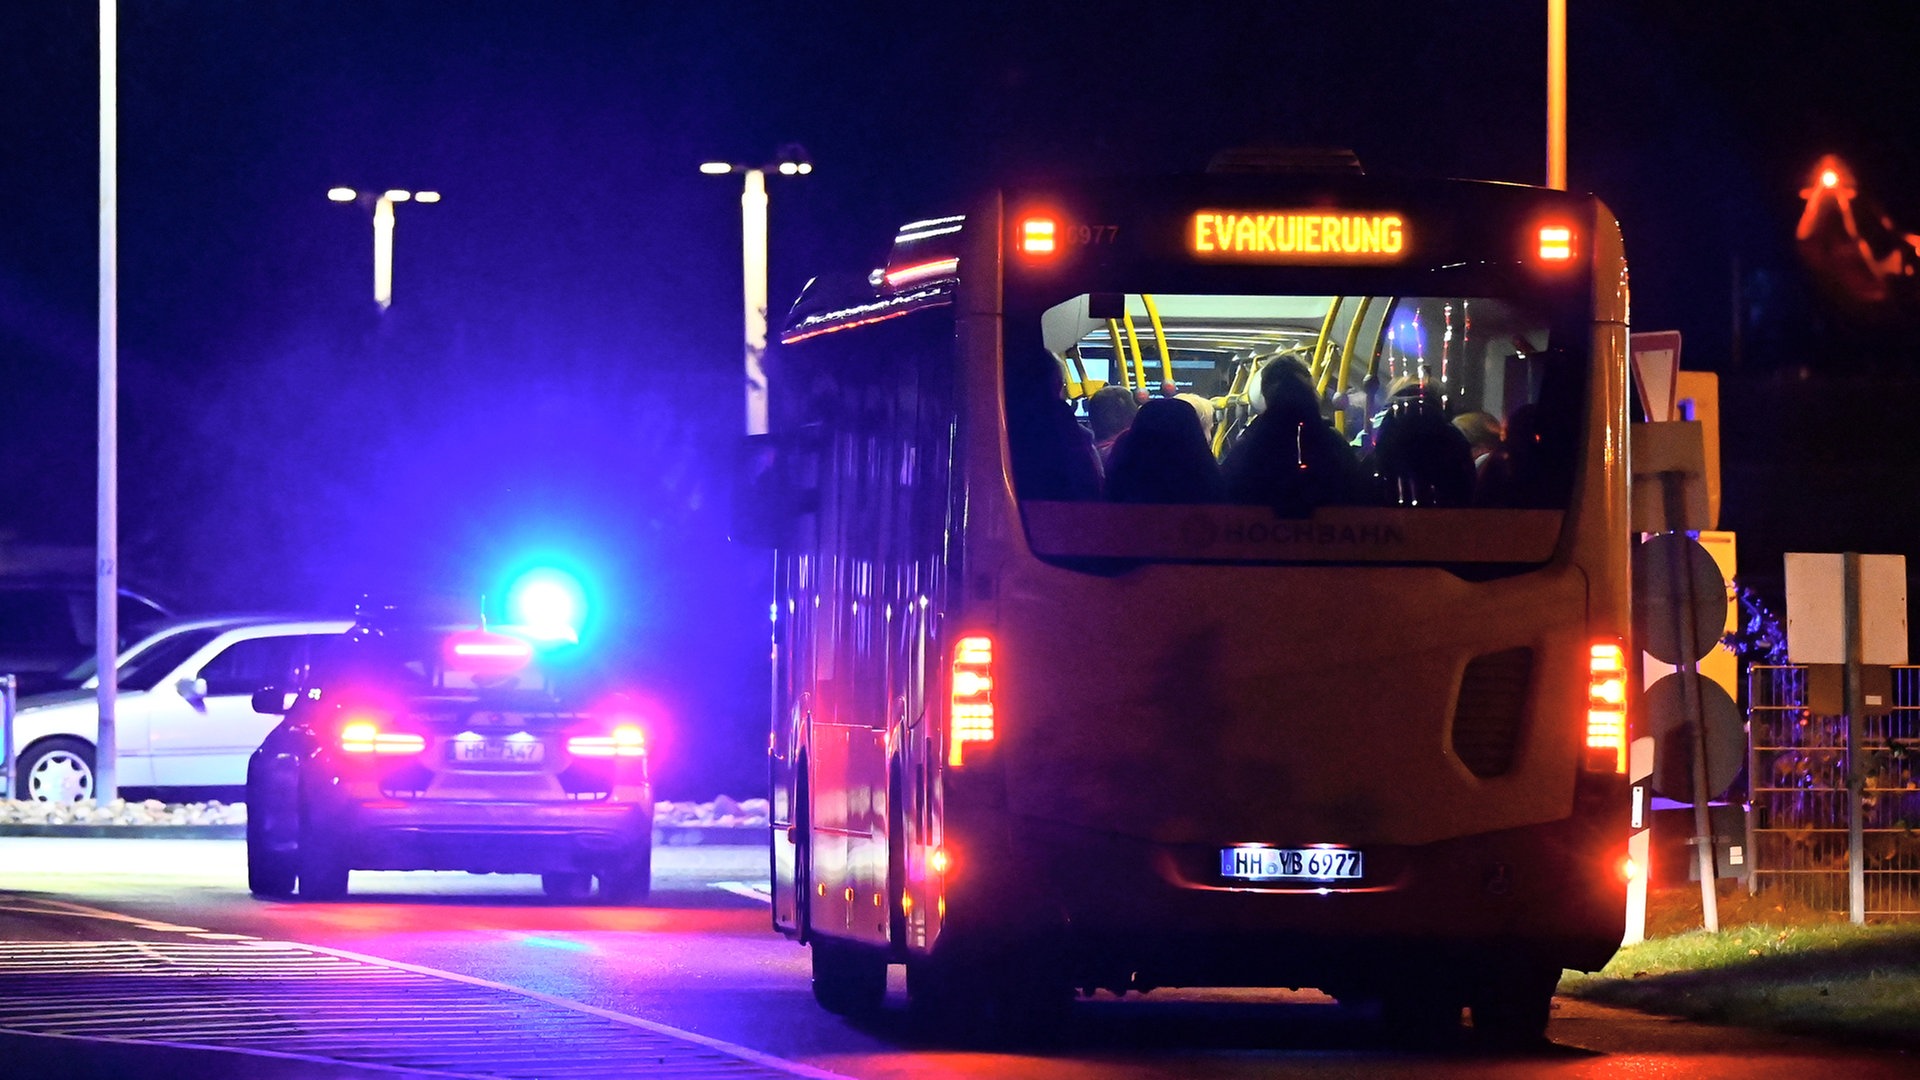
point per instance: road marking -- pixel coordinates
(64, 907)
(741, 888)
(42, 956)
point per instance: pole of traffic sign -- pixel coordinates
(1856, 757)
(1693, 708)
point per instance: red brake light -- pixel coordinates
(362, 735)
(970, 700)
(626, 740)
(1607, 709)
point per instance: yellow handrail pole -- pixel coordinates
(1119, 355)
(1160, 336)
(1238, 389)
(1326, 332)
(1133, 346)
(1079, 386)
(1353, 339)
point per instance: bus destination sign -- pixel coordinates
(1297, 236)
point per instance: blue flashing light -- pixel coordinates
(547, 603)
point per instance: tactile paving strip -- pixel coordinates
(289, 1000)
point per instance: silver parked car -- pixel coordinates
(184, 716)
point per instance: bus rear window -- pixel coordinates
(1295, 403)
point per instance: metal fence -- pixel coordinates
(1797, 774)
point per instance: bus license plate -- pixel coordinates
(517, 751)
(1281, 864)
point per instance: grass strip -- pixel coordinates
(1833, 980)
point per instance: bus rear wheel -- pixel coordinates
(848, 980)
(1009, 998)
(1511, 1007)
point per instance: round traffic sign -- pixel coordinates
(1679, 598)
(1674, 705)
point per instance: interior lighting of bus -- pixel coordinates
(1556, 243)
(627, 740)
(1297, 236)
(932, 268)
(1037, 236)
(365, 737)
(1607, 709)
(970, 705)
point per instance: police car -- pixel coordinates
(434, 747)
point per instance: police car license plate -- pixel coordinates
(518, 751)
(1255, 863)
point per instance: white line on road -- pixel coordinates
(741, 888)
(736, 1050)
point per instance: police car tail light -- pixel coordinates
(1607, 708)
(625, 740)
(970, 720)
(367, 736)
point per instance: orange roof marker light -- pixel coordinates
(1556, 243)
(1038, 236)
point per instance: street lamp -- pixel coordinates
(382, 205)
(789, 160)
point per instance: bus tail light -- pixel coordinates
(364, 736)
(1556, 243)
(1038, 236)
(1607, 709)
(970, 698)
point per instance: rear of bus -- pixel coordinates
(1365, 736)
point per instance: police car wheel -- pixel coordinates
(567, 886)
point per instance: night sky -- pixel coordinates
(559, 370)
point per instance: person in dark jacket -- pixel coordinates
(1420, 458)
(1164, 458)
(1053, 456)
(1290, 458)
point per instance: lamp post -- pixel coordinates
(789, 160)
(1557, 94)
(382, 206)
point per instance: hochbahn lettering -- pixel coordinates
(1202, 531)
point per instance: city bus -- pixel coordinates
(1048, 722)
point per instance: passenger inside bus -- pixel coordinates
(1289, 457)
(1053, 456)
(1203, 406)
(1419, 457)
(1110, 410)
(1164, 457)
